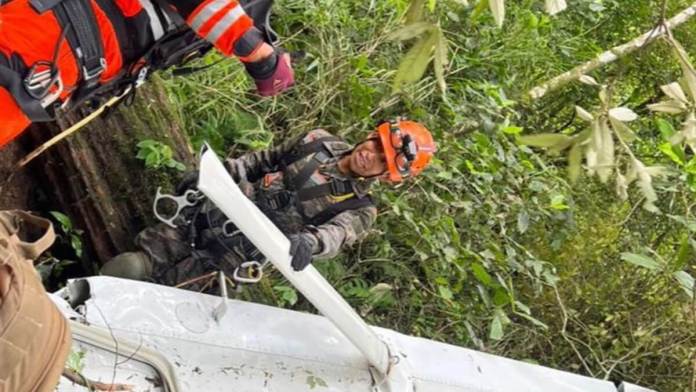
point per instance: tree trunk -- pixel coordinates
(94, 176)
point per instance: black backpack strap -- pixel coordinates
(332, 188)
(353, 203)
(303, 150)
(84, 38)
(308, 169)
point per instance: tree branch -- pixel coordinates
(613, 54)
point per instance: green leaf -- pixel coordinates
(522, 221)
(666, 128)
(431, 5)
(76, 244)
(415, 11)
(411, 31)
(415, 62)
(288, 295)
(496, 328)
(686, 281)
(675, 153)
(546, 140)
(558, 202)
(684, 253)
(440, 60)
(481, 274)
(445, 292)
(574, 162)
(64, 220)
(152, 160)
(512, 130)
(501, 297)
(75, 361)
(641, 260)
(533, 320)
(524, 308)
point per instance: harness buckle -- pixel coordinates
(89, 74)
(340, 188)
(142, 75)
(44, 85)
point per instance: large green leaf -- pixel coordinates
(545, 140)
(63, 219)
(440, 60)
(415, 62)
(686, 281)
(411, 31)
(415, 11)
(641, 260)
(496, 328)
(481, 274)
(574, 162)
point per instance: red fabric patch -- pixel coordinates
(129, 8)
(226, 42)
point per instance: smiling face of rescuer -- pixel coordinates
(366, 160)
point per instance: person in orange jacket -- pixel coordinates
(57, 54)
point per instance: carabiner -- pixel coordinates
(255, 272)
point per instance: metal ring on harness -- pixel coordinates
(255, 272)
(190, 198)
(229, 229)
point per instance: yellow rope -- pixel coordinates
(74, 128)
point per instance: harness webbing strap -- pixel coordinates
(84, 38)
(331, 211)
(307, 170)
(307, 149)
(157, 25)
(331, 188)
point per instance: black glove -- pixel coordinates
(189, 181)
(301, 246)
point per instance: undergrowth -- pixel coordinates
(491, 248)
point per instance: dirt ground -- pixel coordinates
(18, 193)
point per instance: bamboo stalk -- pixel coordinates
(613, 54)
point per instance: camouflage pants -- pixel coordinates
(176, 260)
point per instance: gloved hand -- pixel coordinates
(301, 248)
(272, 75)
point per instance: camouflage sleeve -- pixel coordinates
(343, 230)
(259, 163)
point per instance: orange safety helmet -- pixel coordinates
(408, 148)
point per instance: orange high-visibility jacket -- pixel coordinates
(127, 31)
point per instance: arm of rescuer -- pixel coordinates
(342, 230)
(326, 241)
(226, 24)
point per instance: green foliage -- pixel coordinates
(75, 361)
(157, 155)
(73, 236)
(287, 296)
(51, 267)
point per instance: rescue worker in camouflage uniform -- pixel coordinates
(315, 188)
